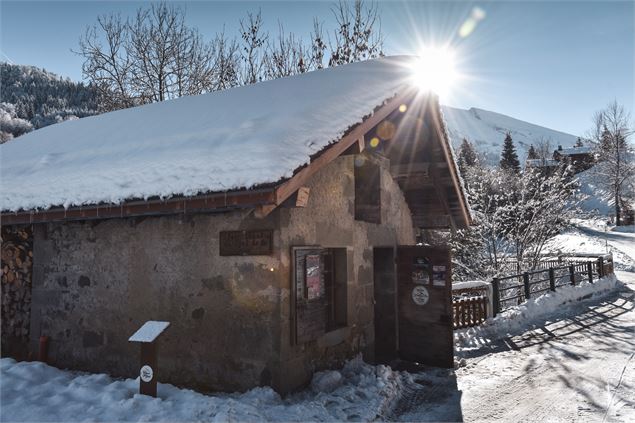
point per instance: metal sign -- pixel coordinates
(146, 373)
(420, 295)
(246, 243)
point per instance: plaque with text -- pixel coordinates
(246, 243)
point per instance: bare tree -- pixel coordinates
(286, 56)
(358, 33)
(253, 48)
(169, 59)
(153, 58)
(318, 46)
(226, 62)
(107, 61)
(544, 150)
(615, 169)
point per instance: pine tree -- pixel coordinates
(467, 157)
(509, 159)
(532, 154)
(467, 153)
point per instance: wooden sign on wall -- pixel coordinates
(246, 243)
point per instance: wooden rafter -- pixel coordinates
(287, 189)
(445, 144)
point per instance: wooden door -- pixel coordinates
(424, 305)
(385, 290)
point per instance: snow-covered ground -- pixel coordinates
(37, 392)
(596, 237)
(571, 363)
(568, 356)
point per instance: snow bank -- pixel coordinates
(33, 391)
(225, 140)
(469, 284)
(520, 318)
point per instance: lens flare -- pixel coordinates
(435, 70)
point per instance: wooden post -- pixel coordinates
(589, 267)
(552, 279)
(148, 369)
(526, 283)
(147, 336)
(572, 273)
(601, 267)
(497, 297)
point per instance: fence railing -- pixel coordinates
(469, 311)
(515, 289)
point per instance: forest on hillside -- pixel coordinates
(32, 98)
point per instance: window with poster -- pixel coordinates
(319, 301)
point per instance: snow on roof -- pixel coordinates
(232, 139)
(149, 331)
(575, 150)
(541, 162)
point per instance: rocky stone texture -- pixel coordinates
(96, 282)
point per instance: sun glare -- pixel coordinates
(435, 70)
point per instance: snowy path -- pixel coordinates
(577, 365)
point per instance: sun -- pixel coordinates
(435, 70)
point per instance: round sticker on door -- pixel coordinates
(420, 295)
(146, 373)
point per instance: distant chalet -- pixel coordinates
(227, 215)
(581, 158)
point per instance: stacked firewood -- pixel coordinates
(17, 264)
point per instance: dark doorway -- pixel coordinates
(424, 306)
(385, 280)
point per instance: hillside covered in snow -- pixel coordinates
(486, 130)
(32, 98)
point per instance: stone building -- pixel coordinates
(259, 221)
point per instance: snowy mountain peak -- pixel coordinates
(486, 130)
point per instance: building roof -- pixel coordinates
(574, 150)
(244, 138)
(226, 140)
(542, 162)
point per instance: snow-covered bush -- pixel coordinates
(514, 215)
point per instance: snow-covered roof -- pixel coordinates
(149, 331)
(574, 150)
(227, 140)
(542, 162)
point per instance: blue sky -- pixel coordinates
(552, 63)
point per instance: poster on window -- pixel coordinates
(313, 277)
(438, 275)
(421, 270)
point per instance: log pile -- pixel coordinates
(16, 266)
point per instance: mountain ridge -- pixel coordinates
(487, 129)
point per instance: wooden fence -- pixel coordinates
(469, 311)
(516, 289)
(469, 306)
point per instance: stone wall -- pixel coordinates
(96, 282)
(329, 221)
